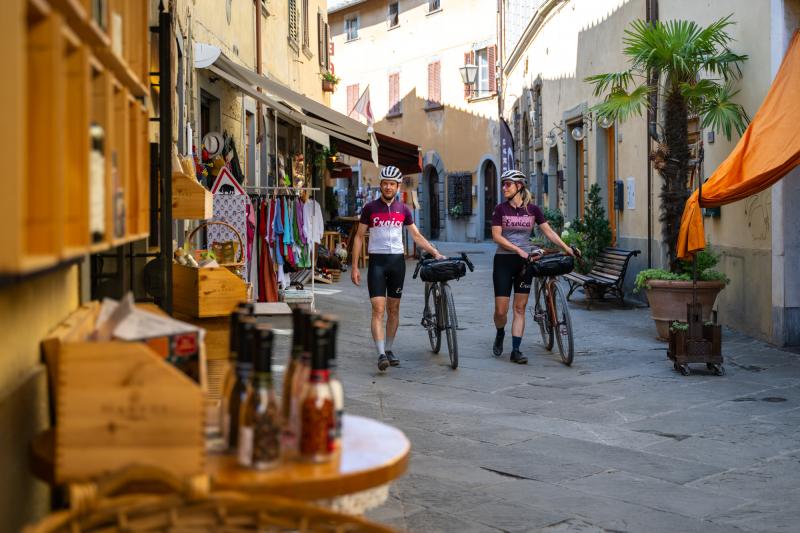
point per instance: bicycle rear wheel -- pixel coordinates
(563, 329)
(430, 316)
(539, 314)
(450, 323)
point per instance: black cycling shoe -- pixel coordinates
(497, 349)
(383, 363)
(393, 360)
(517, 357)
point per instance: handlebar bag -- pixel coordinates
(444, 270)
(554, 265)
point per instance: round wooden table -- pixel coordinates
(373, 454)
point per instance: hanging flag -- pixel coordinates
(363, 107)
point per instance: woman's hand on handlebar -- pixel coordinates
(523, 254)
(575, 252)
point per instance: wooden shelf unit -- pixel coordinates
(62, 76)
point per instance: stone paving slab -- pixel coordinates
(617, 442)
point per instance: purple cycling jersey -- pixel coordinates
(517, 224)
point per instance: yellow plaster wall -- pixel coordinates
(28, 310)
(463, 132)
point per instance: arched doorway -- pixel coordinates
(434, 221)
(489, 196)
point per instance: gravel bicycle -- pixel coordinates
(550, 309)
(439, 313)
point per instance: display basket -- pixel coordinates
(170, 504)
(236, 261)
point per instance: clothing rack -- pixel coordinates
(313, 247)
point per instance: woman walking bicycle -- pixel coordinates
(512, 224)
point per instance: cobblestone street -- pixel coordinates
(618, 442)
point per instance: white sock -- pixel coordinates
(389, 341)
(379, 345)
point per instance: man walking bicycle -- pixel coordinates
(385, 218)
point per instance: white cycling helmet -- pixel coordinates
(514, 175)
(392, 173)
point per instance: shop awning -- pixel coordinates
(351, 137)
(391, 151)
(768, 150)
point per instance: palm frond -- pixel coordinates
(725, 63)
(720, 113)
(621, 105)
(697, 93)
(611, 81)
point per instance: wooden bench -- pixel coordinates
(607, 275)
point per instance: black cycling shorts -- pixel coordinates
(386, 275)
(508, 273)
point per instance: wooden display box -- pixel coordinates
(119, 403)
(206, 292)
(190, 200)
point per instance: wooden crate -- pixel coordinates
(190, 200)
(206, 292)
(118, 403)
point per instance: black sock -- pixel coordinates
(501, 332)
(515, 342)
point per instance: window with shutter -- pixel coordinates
(459, 194)
(491, 57)
(321, 40)
(306, 40)
(394, 95)
(434, 85)
(351, 27)
(434, 5)
(293, 28)
(328, 48)
(352, 97)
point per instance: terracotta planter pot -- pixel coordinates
(668, 301)
(328, 86)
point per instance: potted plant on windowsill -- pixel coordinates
(457, 211)
(329, 82)
(669, 292)
(677, 69)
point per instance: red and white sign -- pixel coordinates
(226, 183)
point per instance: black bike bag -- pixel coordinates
(444, 270)
(554, 265)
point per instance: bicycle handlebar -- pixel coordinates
(426, 258)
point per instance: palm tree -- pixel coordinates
(691, 70)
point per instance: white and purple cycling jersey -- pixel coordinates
(385, 224)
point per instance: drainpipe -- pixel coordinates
(651, 13)
(259, 126)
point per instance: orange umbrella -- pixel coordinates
(768, 150)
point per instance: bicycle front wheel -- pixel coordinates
(431, 318)
(540, 315)
(450, 323)
(563, 327)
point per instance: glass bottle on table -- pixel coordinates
(259, 422)
(299, 383)
(299, 325)
(317, 415)
(244, 309)
(336, 384)
(235, 394)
